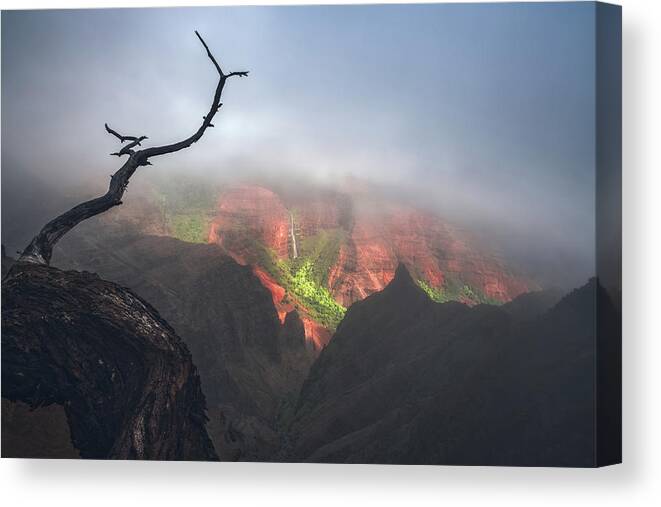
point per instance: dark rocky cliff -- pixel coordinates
(124, 378)
(406, 380)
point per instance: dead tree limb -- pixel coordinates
(40, 249)
(124, 138)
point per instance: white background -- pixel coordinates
(636, 482)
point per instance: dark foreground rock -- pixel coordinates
(251, 364)
(126, 381)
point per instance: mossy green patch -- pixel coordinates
(304, 279)
(187, 207)
(314, 297)
(192, 228)
(322, 250)
(454, 290)
(437, 294)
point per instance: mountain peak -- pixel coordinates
(402, 273)
(402, 279)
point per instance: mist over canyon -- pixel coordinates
(319, 248)
(354, 264)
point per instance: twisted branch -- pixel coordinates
(128, 149)
(143, 155)
(40, 248)
(123, 138)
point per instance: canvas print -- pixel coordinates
(384, 234)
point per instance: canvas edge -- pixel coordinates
(608, 237)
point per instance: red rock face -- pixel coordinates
(316, 333)
(366, 262)
(277, 292)
(249, 213)
(317, 210)
(384, 235)
(380, 235)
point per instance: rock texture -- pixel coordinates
(377, 234)
(250, 213)
(407, 380)
(384, 235)
(251, 362)
(125, 379)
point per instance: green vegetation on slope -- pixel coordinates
(453, 290)
(191, 228)
(304, 279)
(315, 297)
(322, 250)
(186, 206)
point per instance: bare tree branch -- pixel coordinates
(124, 138)
(143, 155)
(211, 57)
(128, 149)
(40, 248)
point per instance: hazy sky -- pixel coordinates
(488, 107)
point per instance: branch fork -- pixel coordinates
(40, 248)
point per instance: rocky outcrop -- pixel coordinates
(252, 362)
(316, 333)
(125, 380)
(278, 293)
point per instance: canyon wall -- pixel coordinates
(373, 235)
